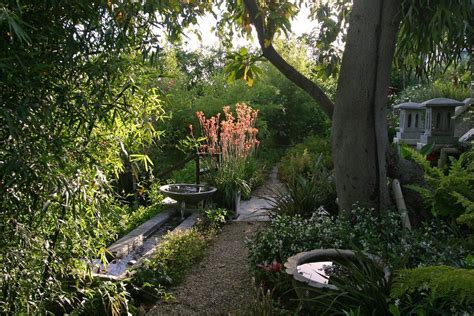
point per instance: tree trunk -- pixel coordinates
(359, 127)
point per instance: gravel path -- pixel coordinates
(221, 284)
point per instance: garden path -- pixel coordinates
(255, 209)
(222, 283)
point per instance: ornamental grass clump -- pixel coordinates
(230, 144)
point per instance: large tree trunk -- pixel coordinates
(359, 127)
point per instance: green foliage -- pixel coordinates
(236, 176)
(286, 116)
(433, 34)
(449, 194)
(242, 65)
(78, 105)
(135, 217)
(434, 290)
(433, 243)
(104, 298)
(186, 174)
(466, 218)
(333, 18)
(175, 255)
(229, 179)
(300, 159)
(179, 251)
(149, 282)
(212, 220)
(262, 304)
(362, 289)
(439, 88)
(306, 192)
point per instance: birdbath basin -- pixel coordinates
(187, 193)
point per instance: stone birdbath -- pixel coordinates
(187, 193)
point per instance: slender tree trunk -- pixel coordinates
(359, 127)
(282, 65)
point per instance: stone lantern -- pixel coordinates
(439, 122)
(412, 123)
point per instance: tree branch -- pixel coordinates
(282, 65)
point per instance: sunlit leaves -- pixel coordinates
(144, 159)
(276, 15)
(72, 96)
(242, 65)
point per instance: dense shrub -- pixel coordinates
(179, 251)
(434, 243)
(437, 89)
(300, 159)
(212, 220)
(185, 175)
(305, 193)
(104, 298)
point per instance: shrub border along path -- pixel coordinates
(221, 284)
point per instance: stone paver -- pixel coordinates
(256, 209)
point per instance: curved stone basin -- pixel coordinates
(312, 270)
(188, 193)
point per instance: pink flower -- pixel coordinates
(275, 266)
(233, 137)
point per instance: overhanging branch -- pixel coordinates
(281, 64)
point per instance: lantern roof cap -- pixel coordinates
(442, 102)
(409, 106)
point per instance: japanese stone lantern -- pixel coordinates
(439, 122)
(412, 123)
